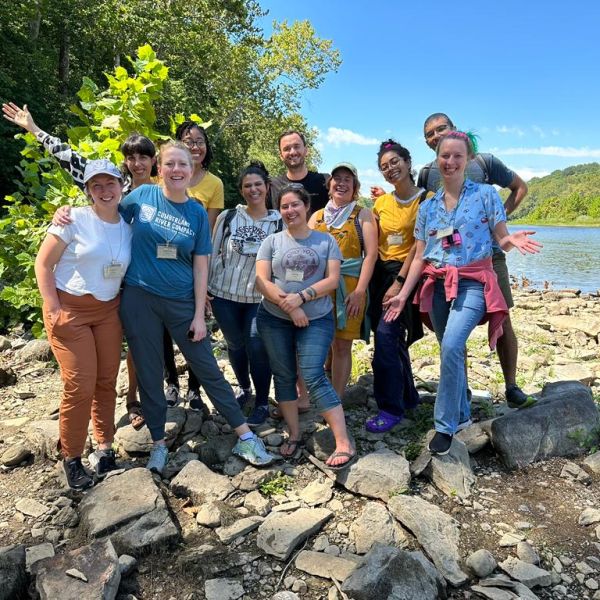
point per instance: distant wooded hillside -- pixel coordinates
(570, 196)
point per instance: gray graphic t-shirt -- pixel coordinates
(298, 264)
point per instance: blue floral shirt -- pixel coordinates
(477, 213)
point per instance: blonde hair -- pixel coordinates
(176, 145)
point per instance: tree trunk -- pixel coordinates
(63, 63)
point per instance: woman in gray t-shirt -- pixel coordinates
(296, 270)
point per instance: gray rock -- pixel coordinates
(526, 573)
(321, 443)
(94, 573)
(392, 574)
(281, 532)
(66, 517)
(589, 516)
(481, 563)
(355, 395)
(192, 426)
(7, 375)
(4, 343)
(287, 595)
(135, 442)
(13, 577)
(375, 524)
(475, 437)
(317, 492)
(217, 449)
(435, 531)
(31, 507)
(492, 593)
(452, 473)
(197, 482)
(510, 539)
(325, 565)
(241, 527)
(15, 455)
(223, 589)
(131, 509)
(127, 564)
(251, 478)
(176, 463)
(209, 515)
(376, 475)
(34, 554)
(43, 437)
(34, 350)
(527, 553)
(233, 466)
(589, 326)
(564, 412)
(593, 462)
(256, 502)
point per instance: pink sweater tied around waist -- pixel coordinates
(482, 271)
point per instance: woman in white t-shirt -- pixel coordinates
(79, 269)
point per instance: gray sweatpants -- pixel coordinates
(144, 315)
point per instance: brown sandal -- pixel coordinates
(275, 412)
(135, 415)
(293, 446)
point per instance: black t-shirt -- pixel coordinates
(314, 184)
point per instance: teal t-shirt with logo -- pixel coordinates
(155, 220)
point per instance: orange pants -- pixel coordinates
(86, 340)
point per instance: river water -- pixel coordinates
(570, 258)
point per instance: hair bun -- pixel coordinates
(257, 164)
(388, 144)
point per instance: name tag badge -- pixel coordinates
(395, 239)
(251, 247)
(113, 271)
(442, 233)
(294, 275)
(166, 251)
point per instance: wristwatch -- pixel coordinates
(401, 279)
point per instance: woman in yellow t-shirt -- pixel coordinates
(396, 214)
(204, 186)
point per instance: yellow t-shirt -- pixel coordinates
(209, 192)
(396, 225)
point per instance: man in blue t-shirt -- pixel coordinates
(486, 168)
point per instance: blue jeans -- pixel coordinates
(453, 323)
(245, 348)
(284, 342)
(393, 382)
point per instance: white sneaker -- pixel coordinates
(253, 451)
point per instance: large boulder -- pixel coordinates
(564, 415)
(379, 475)
(13, 577)
(197, 482)
(375, 524)
(452, 473)
(281, 532)
(43, 437)
(436, 532)
(388, 573)
(88, 572)
(34, 350)
(134, 442)
(131, 510)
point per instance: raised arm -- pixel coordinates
(68, 159)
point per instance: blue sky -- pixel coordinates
(523, 75)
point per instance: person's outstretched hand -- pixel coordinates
(19, 116)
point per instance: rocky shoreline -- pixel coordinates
(512, 512)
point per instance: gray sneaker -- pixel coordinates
(158, 459)
(253, 451)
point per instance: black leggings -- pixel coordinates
(170, 370)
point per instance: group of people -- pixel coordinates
(292, 276)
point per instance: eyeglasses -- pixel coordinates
(439, 129)
(393, 162)
(196, 143)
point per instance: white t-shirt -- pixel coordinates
(92, 244)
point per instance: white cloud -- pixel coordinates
(343, 137)
(512, 130)
(526, 173)
(555, 132)
(562, 151)
(539, 131)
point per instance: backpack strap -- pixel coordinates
(226, 231)
(484, 167)
(359, 231)
(423, 196)
(424, 176)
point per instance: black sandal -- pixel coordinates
(135, 415)
(295, 444)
